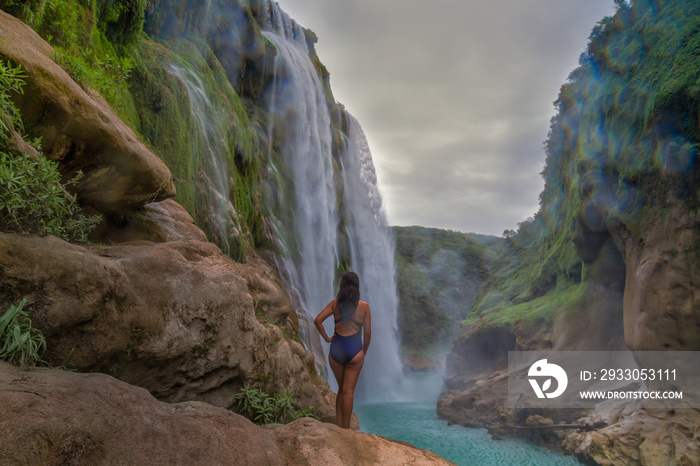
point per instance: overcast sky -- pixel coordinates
(454, 96)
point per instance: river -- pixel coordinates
(415, 421)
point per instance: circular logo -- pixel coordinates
(542, 369)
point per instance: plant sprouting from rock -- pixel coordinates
(263, 408)
(20, 343)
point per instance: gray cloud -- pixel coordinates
(455, 97)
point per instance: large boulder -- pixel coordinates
(178, 318)
(158, 222)
(51, 416)
(80, 130)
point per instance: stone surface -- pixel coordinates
(640, 437)
(477, 349)
(177, 318)
(49, 416)
(80, 130)
(662, 290)
(158, 222)
(310, 442)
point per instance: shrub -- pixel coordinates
(33, 200)
(11, 80)
(32, 197)
(20, 343)
(263, 408)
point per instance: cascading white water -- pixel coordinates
(213, 178)
(298, 103)
(372, 255)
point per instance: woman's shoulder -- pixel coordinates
(363, 304)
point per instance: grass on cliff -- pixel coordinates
(34, 200)
(171, 127)
(92, 40)
(101, 44)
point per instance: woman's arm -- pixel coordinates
(323, 315)
(367, 326)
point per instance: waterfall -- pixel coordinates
(372, 255)
(298, 103)
(309, 236)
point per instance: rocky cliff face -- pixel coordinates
(662, 292)
(178, 318)
(611, 259)
(152, 302)
(658, 311)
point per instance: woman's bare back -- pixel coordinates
(355, 321)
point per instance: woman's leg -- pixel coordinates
(347, 388)
(338, 372)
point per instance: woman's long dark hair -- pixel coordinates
(348, 295)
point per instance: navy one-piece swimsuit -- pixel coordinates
(346, 347)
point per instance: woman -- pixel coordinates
(347, 354)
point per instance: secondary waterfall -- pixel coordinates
(372, 253)
(215, 209)
(297, 103)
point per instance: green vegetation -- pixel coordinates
(33, 199)
(262, 408)
(20, 343)
(93, 41)
(11, 81)
(170, 125)
(621, 149)
(439, 273)
(101, 44)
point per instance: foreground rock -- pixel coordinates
(49, 416)
(178, 318)
(80, 130)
